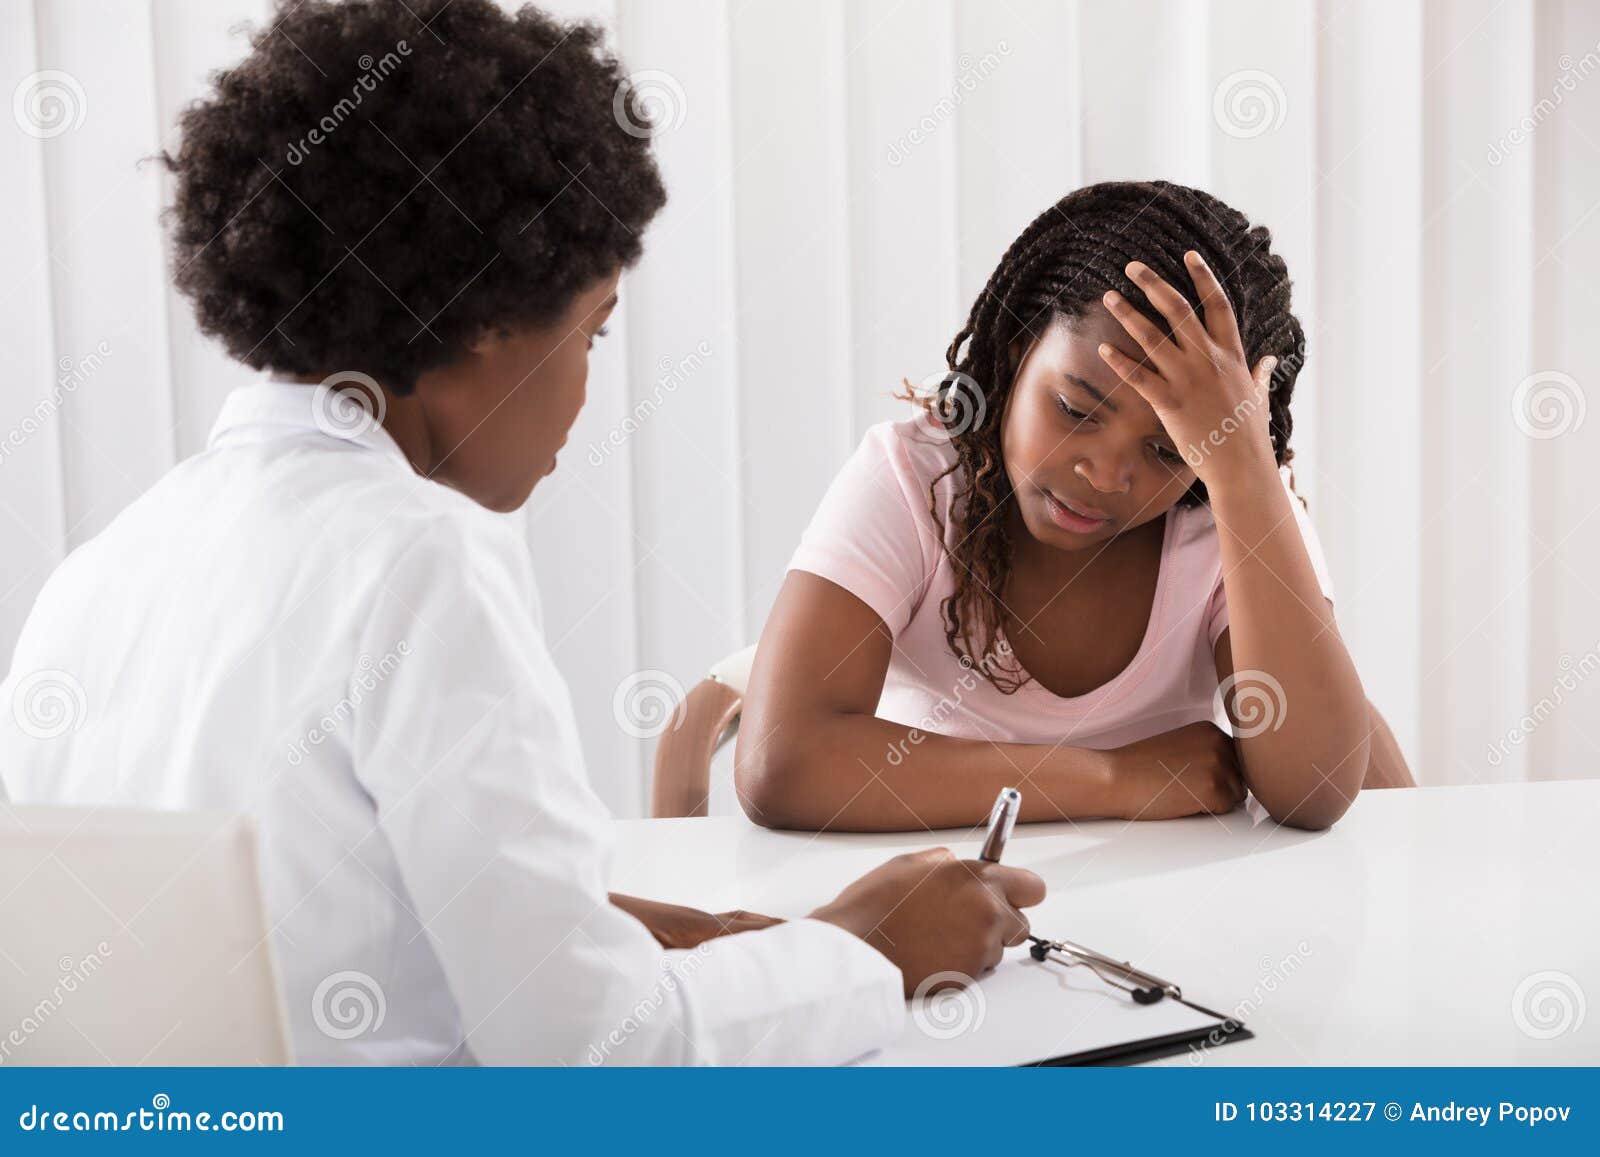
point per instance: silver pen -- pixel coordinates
(1001, 820)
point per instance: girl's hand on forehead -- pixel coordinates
(1210, 401)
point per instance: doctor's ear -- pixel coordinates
(484, 341)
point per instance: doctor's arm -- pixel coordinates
(468, 750)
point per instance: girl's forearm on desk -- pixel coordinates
(851, 772)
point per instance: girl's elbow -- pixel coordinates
(1327, 800)
(764, 782)
(1308, 816)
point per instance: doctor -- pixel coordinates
(325, 620)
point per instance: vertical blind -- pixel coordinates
(843, 177)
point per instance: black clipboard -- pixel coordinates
(957, 1024)
(1143, 988)
(1154, 1049)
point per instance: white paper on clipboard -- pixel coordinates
(1027, 1011)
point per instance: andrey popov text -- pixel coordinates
(1449, 1113)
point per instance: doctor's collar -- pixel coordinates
(346, 406)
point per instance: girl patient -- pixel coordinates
(1081, 554)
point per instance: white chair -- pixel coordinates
(134, 938)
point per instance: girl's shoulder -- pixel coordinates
(917, 452)
(876, 532)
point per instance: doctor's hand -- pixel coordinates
(675, 926)
(929, 912)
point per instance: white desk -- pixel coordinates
(1399, 937)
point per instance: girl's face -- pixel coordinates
(493, 421)
(1086, 455)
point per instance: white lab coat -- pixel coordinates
(296, 625)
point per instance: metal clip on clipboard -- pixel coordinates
(1144, 987)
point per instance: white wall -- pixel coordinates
(843, 177)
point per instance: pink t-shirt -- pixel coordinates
(874, 536)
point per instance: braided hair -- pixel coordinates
(1058, 268)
